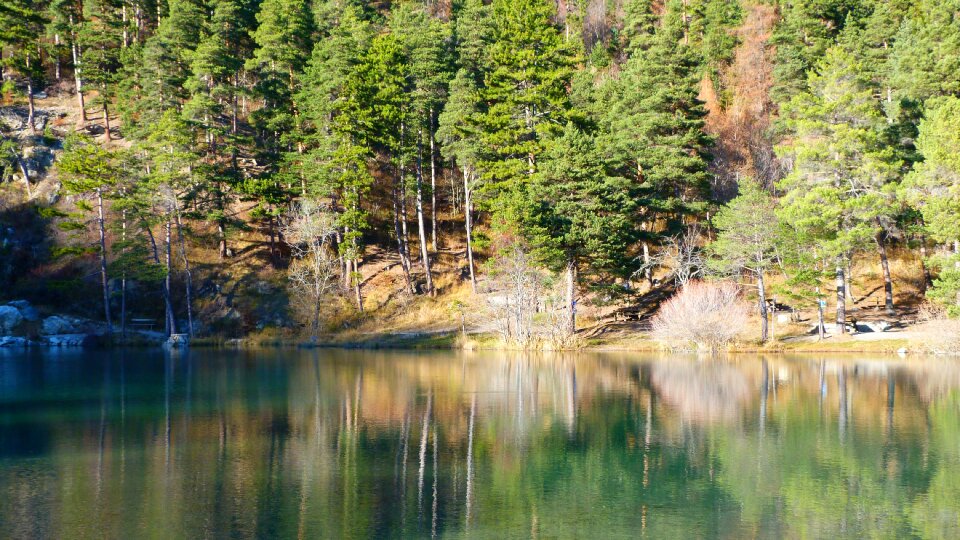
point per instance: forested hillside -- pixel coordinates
(225, 166)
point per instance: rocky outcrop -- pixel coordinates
(22, 326)
(14, 342)
(10, 320)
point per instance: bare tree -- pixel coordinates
(314, 272)
(681, 256)
(516, 286)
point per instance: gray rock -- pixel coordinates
(13, 342)
(10, 319)
(60, 324)
(28, 312)
(68, 340)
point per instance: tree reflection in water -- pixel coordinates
(356, 444)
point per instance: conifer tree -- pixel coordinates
(461, 141)
(934, 188)
(747, 240)
(841, 188)
(525, 89)
(21, 24)
(576, 215)
(283, 40)
(653, 128)
(90, 170)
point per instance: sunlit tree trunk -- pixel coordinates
(104, 281)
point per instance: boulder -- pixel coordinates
(10, 319)
(60, 324)
(13, 342)
(27, 311)
(69, 340)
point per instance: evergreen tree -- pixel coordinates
(283, 38)
(747, 240)
(462, 142)
(841, 187)
(934, 188)
(574, 214)
(525, 89)
(89, 170)
(21, 23)
(653, 129)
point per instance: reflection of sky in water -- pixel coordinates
(357, 444)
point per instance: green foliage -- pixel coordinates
(524, 89)
(842, 186)
(747, 231)
(573, 210)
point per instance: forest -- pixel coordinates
(524, 163)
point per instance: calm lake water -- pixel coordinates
(349, 444)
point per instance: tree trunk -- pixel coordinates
(841, 300)
(468, 221)
(820, 324)
(30, 105)
(927, 279)
(848, 277)
(106, 116)
(104, 282)
(123, 280)
(404, 261)
(887, 282)
(433, 187)
(74, 50)
(23, 171)
(165, 289)
(172, 320)
(186, 269)
(764, 319)
(571, 295)
(646, 263)
(424, 254)
(356, 285)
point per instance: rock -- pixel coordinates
(27, 311)
(10, 319)
(177, 341)
(13, 342)
(69, 340)
(60, 324)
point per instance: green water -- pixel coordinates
(348, 444)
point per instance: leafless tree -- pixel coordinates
(314, 272)
(515, 289)
(681, 256)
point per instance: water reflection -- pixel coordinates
(356, 444)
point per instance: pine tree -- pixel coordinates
(525, 90)
(462, 142)
(21, 24)
(100, 40)
(841, 189)
(653, 129)
(283, 41)
(575, 215)
(89, 170)
(747, 239)
(934, 188)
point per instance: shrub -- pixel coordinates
(940, 336)
(706, 315)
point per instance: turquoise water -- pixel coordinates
(351, 444)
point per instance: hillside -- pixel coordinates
(288, 170)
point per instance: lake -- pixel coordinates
(358, 444)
